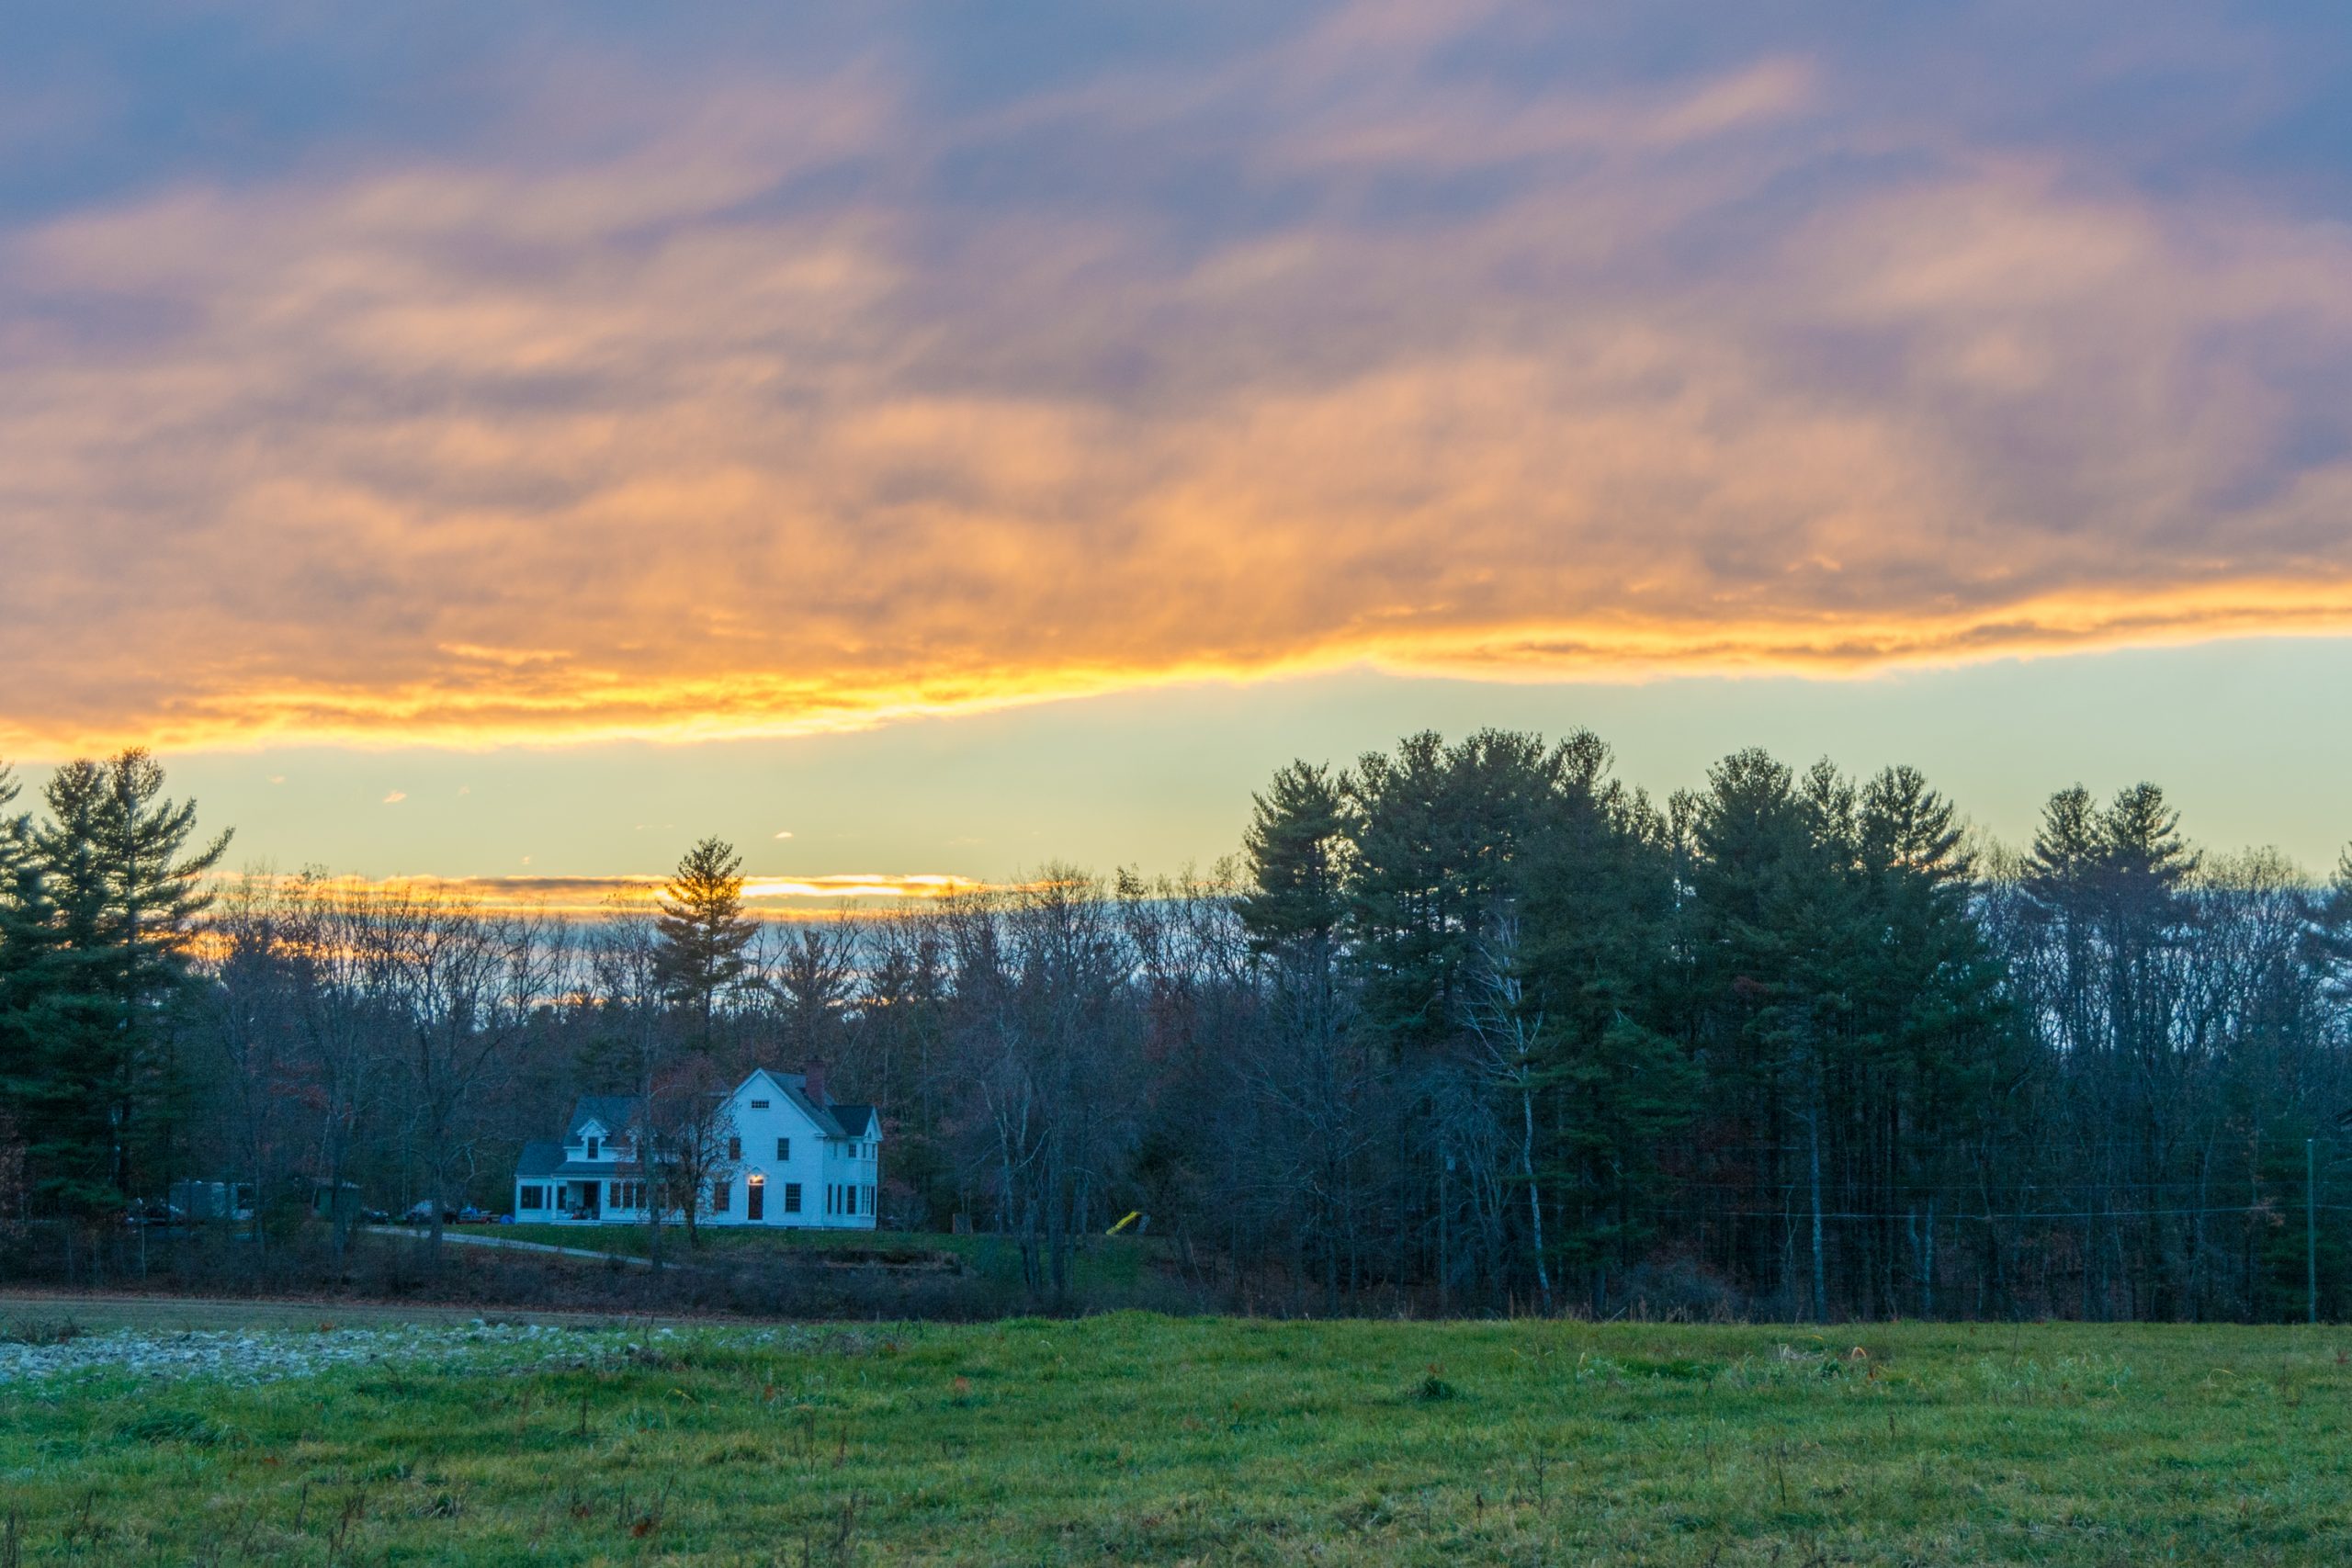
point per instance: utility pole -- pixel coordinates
(2310, 1228)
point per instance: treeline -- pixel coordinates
(1470, 1027)
(99, 904)
(1786, 1045)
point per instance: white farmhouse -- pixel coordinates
(794, 1158)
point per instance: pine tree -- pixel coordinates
(125, 903)
(1299, 854)
(703, 932)
(1439, 836)
(1768, 880)
(1297, 849)
(1936, 1027)
(27, 980)
(1614, 1082)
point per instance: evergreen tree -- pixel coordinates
(1766, 883)
(1312, 1064)
(703, 930)
(124, 902)
(1439, 836)
(1613, 1082)
(810, 982)
(1297, 850)
(27, 987)
(1937, 1033)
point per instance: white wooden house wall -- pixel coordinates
(783, 1143)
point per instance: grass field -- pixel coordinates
(1101, 1264)
(1135, 1438)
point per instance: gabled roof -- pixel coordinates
(541, 1159)
(833, 1121)
(617, 1111)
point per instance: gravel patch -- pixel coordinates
(259, 1356)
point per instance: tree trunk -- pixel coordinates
(1820, 1291)
(1534, 1194)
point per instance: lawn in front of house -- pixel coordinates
(1098, 1263)
(1139, 1439)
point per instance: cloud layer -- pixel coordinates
(764, 898)
(763, 385)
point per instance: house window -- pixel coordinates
(869, 1202)
(531, 1198)
(719, 1196)
(592, 1148)
(783, 1148)
(759, 1105)
(792, 1197)
(734, 1148)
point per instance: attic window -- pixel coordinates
(759, 1105)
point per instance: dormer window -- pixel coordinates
(591, 1147)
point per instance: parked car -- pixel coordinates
(375, 1217)
(421, 1214)
(469, 1215)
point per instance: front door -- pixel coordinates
(755, 1197)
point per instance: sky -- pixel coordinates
(927, 441)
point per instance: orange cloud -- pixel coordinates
(768, 897)
(676, 439)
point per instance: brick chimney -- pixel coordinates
(814, 1074)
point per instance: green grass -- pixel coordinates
(1100, 1263)
(1136, 1438)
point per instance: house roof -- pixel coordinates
(542, 1159)
(617, 1111)
(833, 1121)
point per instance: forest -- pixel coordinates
(1462, 1028)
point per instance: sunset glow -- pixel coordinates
(899, 682)
(702, 381)
(597, 898)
